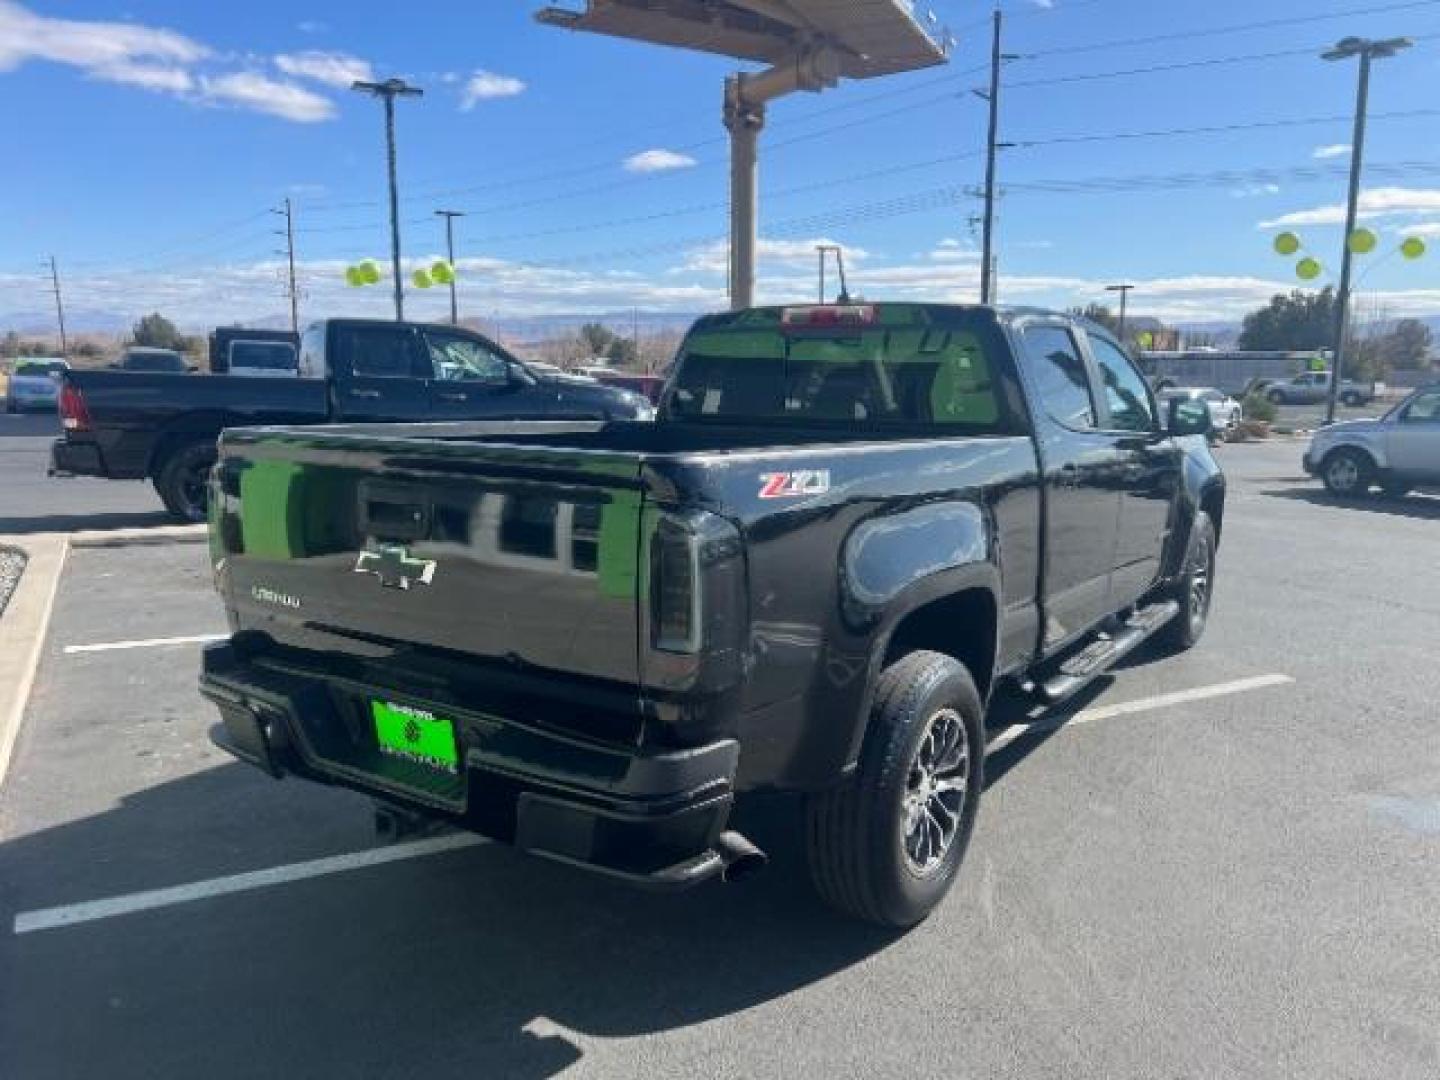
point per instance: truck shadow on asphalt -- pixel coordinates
(62, 523)
(1422, 507)
(475, 963)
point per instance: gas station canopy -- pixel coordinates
(868, 37)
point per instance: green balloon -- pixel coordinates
(1363, 241)
(421, 279)
(1413, 248)
(1287, 243)
(1308, 269)
(353, 277)
(370, 271)
(442, 273)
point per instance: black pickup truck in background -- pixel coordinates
(237, 350)
(132, 426)
(848, 526)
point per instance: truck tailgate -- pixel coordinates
(526, 555)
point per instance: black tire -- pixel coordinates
(1193, 590)
(1347, 472)
(180, 480)
(865, 840)
(1352, 400)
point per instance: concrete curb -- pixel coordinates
(23, 629)
(165, 534)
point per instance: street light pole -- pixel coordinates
(450, 216)
(388, 91)
(1367, 51)
(1124, 291)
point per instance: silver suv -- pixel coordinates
(1399, 451)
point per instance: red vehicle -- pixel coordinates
(648, 385)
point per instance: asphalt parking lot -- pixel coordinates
(1224, 864)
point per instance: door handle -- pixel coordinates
(365, 393)
(453, 397)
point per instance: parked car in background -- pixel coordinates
(237, 351)
(1314, 386)
(552, 371)
(649, 386)
(142, 358)
(133, 426)
(1224, 410)
(1398, 452)
(34, 383)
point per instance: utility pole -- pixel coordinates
(287, 211)
(59, 306)
(450, 216)
(388, 91)
(1367, 51)
(992, 147)
(1124, 291)
(820, 250)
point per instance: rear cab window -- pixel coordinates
(1062, 384)
(377, 352)
(262, 355)
(892, 366)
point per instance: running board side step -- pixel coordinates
(1083, 667)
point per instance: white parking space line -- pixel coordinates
(1140, 705)
(145, 643)
(53, 918)
(28, 922)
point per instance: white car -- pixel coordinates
(1224, 410)
(34, 384)
(1399, 451)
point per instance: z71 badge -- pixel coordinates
(793, 485)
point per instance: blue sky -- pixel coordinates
(152, 137)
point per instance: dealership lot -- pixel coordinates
(1223, 864)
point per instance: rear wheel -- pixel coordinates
(182, 478)
(1348, 473)
(1353, 400)
(886, 845)
(1193, 590)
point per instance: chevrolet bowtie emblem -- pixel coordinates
(395, 567)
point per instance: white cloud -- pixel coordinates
(154, 59)
(1251, 191)
(714, 257)
(652, 161)
(1334, 150)
(1423, 228)
(485, 85)
(264, 94)
(1374, 203)
(331, 68)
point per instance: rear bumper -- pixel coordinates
(651, 818)
(75, 459)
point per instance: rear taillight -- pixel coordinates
(675, 588)
(74, 416)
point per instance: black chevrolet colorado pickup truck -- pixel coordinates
(163, 426)
(848, 527)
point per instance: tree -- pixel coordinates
(1302, 320)
(1407, 345)
(597, 338)
(158, 332)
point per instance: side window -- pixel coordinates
(1060, 376)
(312, 352)
(377, 352)
(1125, 391)
(1425, 409)
(454, 357)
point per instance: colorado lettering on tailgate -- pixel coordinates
(793, 485)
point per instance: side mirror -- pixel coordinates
(1189, 417)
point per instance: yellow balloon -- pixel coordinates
(353, 277)
(421, 279)
(1308, 269)
(370, 271)
(1413, 248)
(1363, 241)
(1287, 243)
(442, 273)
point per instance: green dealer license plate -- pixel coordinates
(417, 735)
